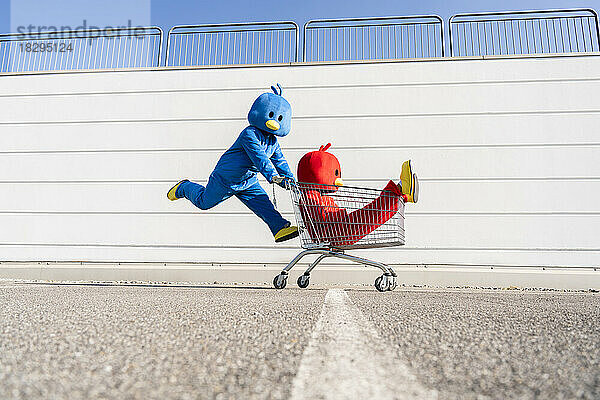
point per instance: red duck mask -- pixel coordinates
(320, 167)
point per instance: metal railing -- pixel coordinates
(238, 43)
(400, 37)
(373, 38)
(81, 49)
(524, 32)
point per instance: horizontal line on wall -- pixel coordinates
(290, 213)
(277, 247)
(309, 87)
(326, 263)
(310, 148)
(311, 117)
(374, 180)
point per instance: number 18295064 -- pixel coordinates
(45, 47)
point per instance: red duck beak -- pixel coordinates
(338, 182)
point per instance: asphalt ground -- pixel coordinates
(84, 342)
(505, 344)
(168, 342)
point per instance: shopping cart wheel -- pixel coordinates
(303, 281)
(382, 283)
(280, 281)
(393, 283)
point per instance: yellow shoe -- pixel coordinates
(286, 233)
(171, 193)
(410, 183)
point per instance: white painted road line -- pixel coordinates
(347, 359)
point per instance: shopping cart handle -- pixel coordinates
(284, 182)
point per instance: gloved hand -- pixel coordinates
(283, 181)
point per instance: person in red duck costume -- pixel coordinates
(333, 224)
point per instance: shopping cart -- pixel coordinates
(334, 219)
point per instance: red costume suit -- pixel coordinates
(324, 219)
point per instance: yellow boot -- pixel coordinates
(171, 193)
(286, 233)
(410, 183)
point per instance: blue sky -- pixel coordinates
(167, 13)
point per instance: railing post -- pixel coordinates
(160, 43)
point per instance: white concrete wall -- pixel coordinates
(507, 151)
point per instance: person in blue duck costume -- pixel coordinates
(255, 150)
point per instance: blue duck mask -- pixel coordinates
(271, 113)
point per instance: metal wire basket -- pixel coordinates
(347, 217)
(333, 219)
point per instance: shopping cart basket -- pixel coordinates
(334, 219)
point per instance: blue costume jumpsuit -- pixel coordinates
(255, 150)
